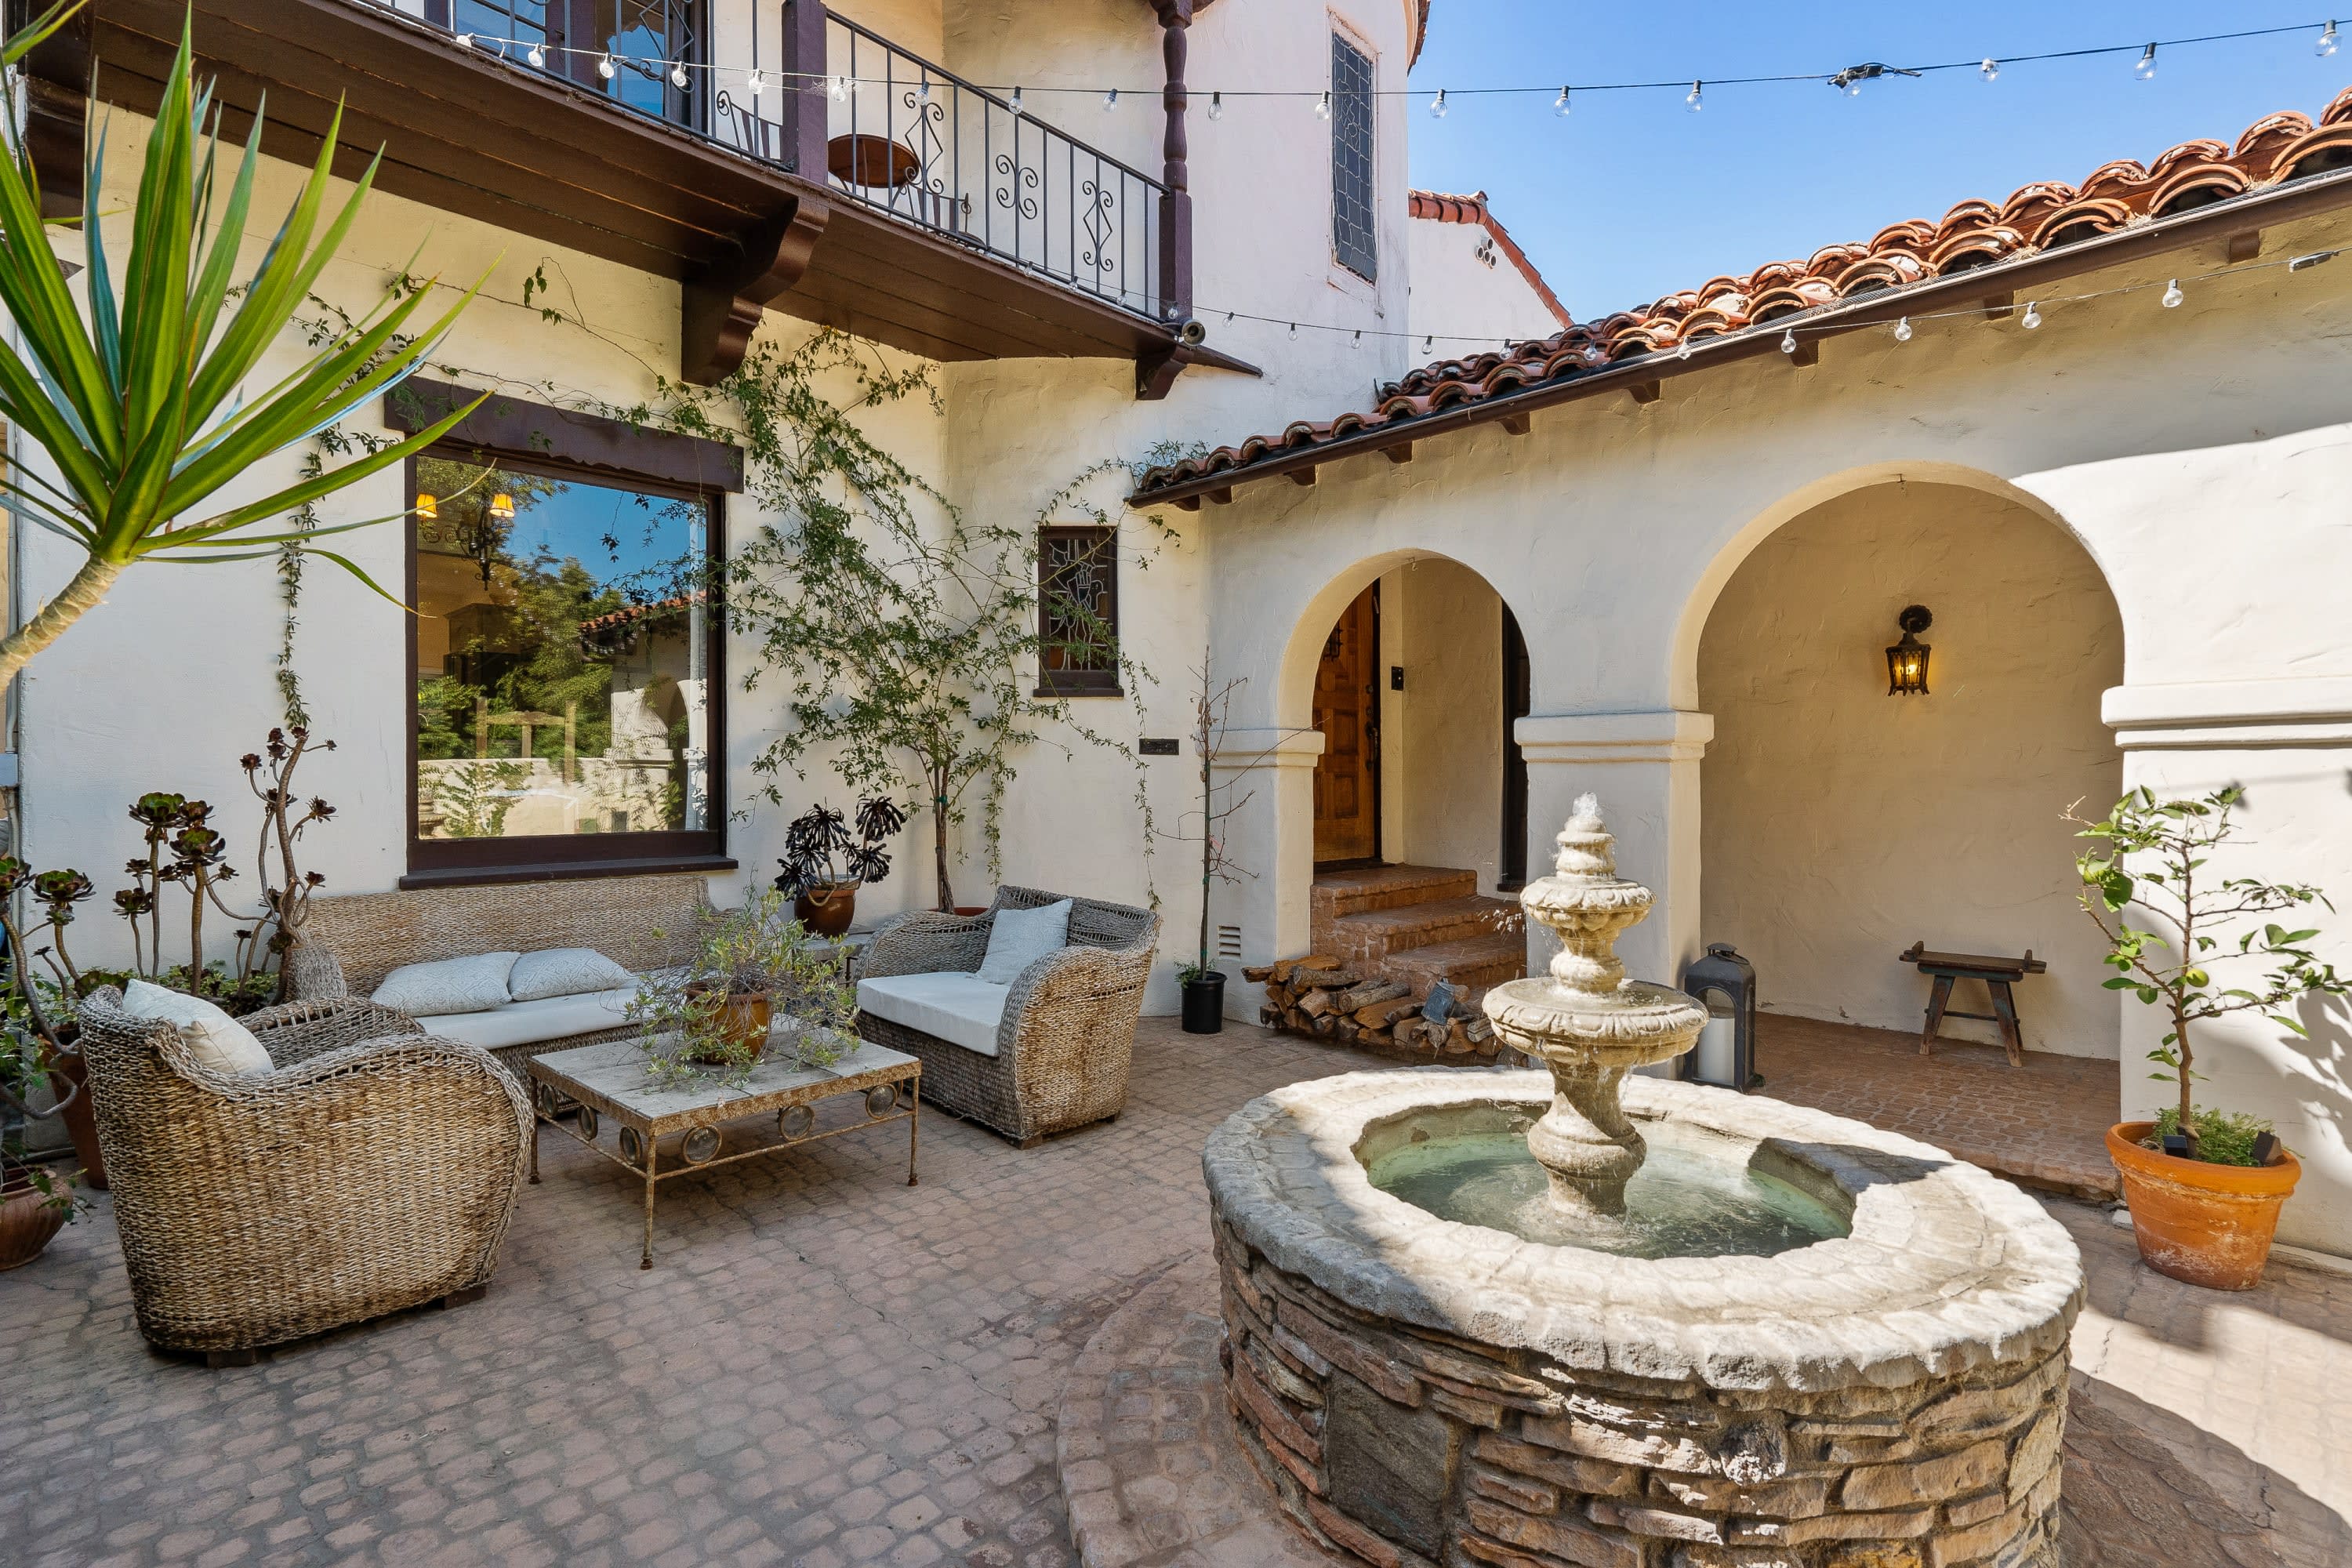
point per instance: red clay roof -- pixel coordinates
(1472, 209)
(2042, 216)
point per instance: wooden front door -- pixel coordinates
(1348, 711)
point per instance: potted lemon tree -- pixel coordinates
(2204, 1186)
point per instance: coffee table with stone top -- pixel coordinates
(713, 1122)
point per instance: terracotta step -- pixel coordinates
(1471, 964)
(1378, 935)
(1339, 893)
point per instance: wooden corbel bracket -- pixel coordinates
(720, 309)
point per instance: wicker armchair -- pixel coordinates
(350, 943)
(1068, 1032)
(376, 1169)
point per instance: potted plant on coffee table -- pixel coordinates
(2204, 1186)
(754, 967)
(824, 865)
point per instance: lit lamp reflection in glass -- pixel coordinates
(502, 508)
(1726, 1053)
(1906, 661)
(428, 506)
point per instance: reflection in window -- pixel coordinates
(562, 656)
(643, 37)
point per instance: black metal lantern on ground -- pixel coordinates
(1725, 983)
(1906, 661)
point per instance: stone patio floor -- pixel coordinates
(830, 1367)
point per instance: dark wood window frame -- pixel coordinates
(1051, 682)
(565, 444)
(1355, 158)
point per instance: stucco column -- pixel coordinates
(1645, 769)
(1268, 776)
(2289, 743)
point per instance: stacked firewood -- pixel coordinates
(1333, 999)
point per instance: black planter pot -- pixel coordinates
(1204, 1004)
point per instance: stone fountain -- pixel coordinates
(1513, 1319)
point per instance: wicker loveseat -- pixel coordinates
(374, 1168)
(349, 944)
(1068, 1033)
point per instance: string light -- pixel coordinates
(1788, 342)
(1111, 100)
(1903, 330)
(1683, 348)
(1216, 106)
(755, 82)
(536, 56)
(1016, 100)
(923, 91)
(1988, 68)
(1697, 99)
(2172, 295)
(2146, 69)
(840, 90)
(678, 75)
(1294, 330)
(1437, 105)
(605, 67)
(464, 40)
(1323, 105)
(2325, 45)
(2032, 317)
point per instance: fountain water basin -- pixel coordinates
(1520, 1318)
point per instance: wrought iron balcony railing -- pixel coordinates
(898, 134)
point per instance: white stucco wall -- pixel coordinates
(2199, 454)
(1841, 824)
(1458, 294)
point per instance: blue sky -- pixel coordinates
(1632, 196)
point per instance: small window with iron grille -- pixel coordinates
(1353, 164)
(1078, 612)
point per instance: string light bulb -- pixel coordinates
(2146, 69)
(1323, 105)
(1853, 86)
(1903, 330)
(1789, 340)
(1017, 107)
(840, 90)
(1695, 100)
(1683, 348)
(464, 40)
(923, 91)
(678, 75)
(755, 81)
(1988, 68)
(1294, 330)
(1437, 105)
(1559, 104)
(605, 67)
(2172, 295)
(2325, 45)
(536, 56)
(1111, 100)
(1216, 106)
(2032, 317)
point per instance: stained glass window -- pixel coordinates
(1078, 612)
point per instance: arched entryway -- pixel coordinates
(1839, 823)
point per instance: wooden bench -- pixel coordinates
(1998, 973)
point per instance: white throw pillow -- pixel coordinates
(1019, 938)
(216, 1041)
(473, 984)
(564, 971)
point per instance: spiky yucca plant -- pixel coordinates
(140, 402)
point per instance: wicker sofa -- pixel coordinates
(1066, 1034)
(373, 1169)
(349, 944)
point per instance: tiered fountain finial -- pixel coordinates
(1586, 1021)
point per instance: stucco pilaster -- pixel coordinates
(1268, 777)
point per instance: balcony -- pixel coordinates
(856, 184)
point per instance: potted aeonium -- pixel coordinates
(754, 968)
(2204, 1186)
(824, 865)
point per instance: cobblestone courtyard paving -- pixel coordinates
(830, 1367)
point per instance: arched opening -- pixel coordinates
(1406, 665)
(1841, 824)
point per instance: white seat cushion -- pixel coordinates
(957, 1008)
(214, 1038)
(1019, 938)
(528, 1022)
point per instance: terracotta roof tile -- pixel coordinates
(2038, 216)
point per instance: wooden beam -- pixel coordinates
(1302, 476)
(1518, 424)
(1155, 374)
(2246, 244)
(1399, 453)
(1646, 391)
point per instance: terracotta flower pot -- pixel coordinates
(827, 910)
(743, 1023)
(2209, 1225)
(28, 1221)
(69, 1073)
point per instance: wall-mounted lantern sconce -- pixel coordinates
(1906, 661)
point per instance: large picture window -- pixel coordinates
(565, 670)
(1353, 166)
